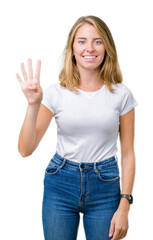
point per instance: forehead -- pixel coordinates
(87, 30)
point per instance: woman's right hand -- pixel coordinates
(31, 86)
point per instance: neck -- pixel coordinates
(89, 78)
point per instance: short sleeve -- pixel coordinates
(48, 98)
(128, 101)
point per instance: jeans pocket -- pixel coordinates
(109, 173)
(52, 168)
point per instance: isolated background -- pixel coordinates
(39, 29)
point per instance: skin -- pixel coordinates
(88, 42)
(38, 117)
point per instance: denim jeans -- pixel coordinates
(70, 188)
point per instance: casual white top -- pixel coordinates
(88, 122)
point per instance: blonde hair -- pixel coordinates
(109, 68)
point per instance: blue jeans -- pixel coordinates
(70, 188)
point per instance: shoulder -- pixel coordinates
(53, 88)
(118, 86)
(121, 89)
(118, 89)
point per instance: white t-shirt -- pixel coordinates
(88, 122)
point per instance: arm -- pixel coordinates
(127, 156)
(36, 122)
(37, 117)
(119, 223)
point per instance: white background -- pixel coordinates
(39, 29)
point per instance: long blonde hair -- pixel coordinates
(109, 68)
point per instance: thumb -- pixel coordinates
(112, 229)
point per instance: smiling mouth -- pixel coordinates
(89, 57)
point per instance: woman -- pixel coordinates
(91, 106)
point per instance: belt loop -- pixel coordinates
(63, 163)
(95, 168)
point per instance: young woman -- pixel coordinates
(91, 107)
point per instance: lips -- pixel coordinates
(89, 56)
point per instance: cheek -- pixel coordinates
(77, 50)
(102, 53)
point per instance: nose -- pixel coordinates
(90, 47)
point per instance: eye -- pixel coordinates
(98, 42)
(81, 42)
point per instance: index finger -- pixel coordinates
(37, 74)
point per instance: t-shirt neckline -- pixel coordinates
(90, 92)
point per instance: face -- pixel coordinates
(88, 47)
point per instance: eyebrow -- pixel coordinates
(86, 38)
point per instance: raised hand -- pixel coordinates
(31, 86)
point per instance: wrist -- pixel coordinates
(124, 205)
(32, 110)
(33, 107)
(34, 104)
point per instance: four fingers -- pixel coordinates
(30, 72)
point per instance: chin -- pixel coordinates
(91, 67)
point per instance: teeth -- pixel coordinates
(89, 56)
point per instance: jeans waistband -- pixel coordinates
(84, 165)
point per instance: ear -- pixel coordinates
(73, 58)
